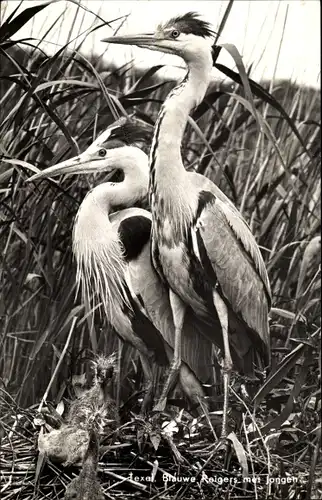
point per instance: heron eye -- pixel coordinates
(102, 153)
(175, 33)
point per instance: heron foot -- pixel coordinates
(227, 365)
(160, 406)
(223, 434)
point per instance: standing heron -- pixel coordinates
(113, 257)
(201, 245)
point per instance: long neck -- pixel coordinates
(109, 197)
(112, 197)
(166, 167)
(96, 243)
(91, 457)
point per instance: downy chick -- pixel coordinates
(69, 443)
(98, 394)
(87, 486)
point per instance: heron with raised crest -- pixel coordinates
(202, 247)
(112, 251)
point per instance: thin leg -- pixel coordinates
(191, 387)
(178, 312)
(228, 364)
(149, 384)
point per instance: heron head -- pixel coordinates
(187, 36)
(114, 148)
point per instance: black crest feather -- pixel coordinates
(129, 131)
(190, 23)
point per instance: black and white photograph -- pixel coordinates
(160, 250)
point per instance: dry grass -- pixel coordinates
(187, 462)
(271, 174)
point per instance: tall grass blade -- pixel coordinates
(263, 94)
(12, 25)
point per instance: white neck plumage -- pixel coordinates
(92, 222)
(134, 164)
(167, 173)
(96, 243)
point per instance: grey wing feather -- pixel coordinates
(238, 225)
(244, 234)
(196, 350)
(224, 240)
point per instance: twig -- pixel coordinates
(58, 364)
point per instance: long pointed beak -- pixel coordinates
(77, 165)
(144, 39)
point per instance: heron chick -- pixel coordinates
(87, 486)
(69, 443)
(99, 395)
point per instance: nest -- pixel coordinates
(173, 456)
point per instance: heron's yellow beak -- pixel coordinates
(156, 41)
(77, 165)
(144, 39)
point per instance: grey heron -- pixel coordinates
(201, 245)
(112, 251)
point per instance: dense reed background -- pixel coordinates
(53, 106)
